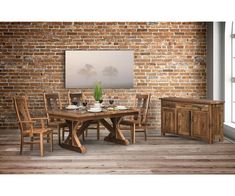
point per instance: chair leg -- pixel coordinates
(63, 134)
(83, 135)
(133, 134)
(86, 132)
(48, 139)
(31, 145)
(41, 144)
(21, 143)
(51, 140)
(59, 134)
(145, 133)
(98, 131)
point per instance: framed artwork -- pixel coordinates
(113, 69)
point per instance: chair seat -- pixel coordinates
(129, 122)
(57, 123)
(37, 131)
(94, 124)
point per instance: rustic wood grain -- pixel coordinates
(159, 155)
(84, 118)
(196, 118)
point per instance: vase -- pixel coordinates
(97, 104)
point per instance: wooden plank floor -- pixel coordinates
(158, 155)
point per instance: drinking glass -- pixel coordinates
(111, 100)
(84, 103)
(75, 101)
(101, 101)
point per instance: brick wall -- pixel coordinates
(170, 60)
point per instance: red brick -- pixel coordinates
(169, 60)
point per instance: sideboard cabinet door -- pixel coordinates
(218, 119)
(184, 122)
(200, 125)
(168, 118)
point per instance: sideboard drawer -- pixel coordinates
(201, 107)
(168, 104)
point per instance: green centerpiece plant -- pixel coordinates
(98, 92)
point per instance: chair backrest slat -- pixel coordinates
(78, 96)
(142, 103)
(52, 102)
(22, 112)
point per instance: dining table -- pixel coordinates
(79, 120)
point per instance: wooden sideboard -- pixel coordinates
(194, 118)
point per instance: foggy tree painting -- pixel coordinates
(113, 68)
(111, 72)
(88, 70)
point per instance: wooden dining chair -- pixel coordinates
(27, 126)
(52, 102)
(139, 123)
(79, 96)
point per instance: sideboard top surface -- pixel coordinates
(192, 100)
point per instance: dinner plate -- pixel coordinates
(120, 107)
(95, 110)
(72, 107)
